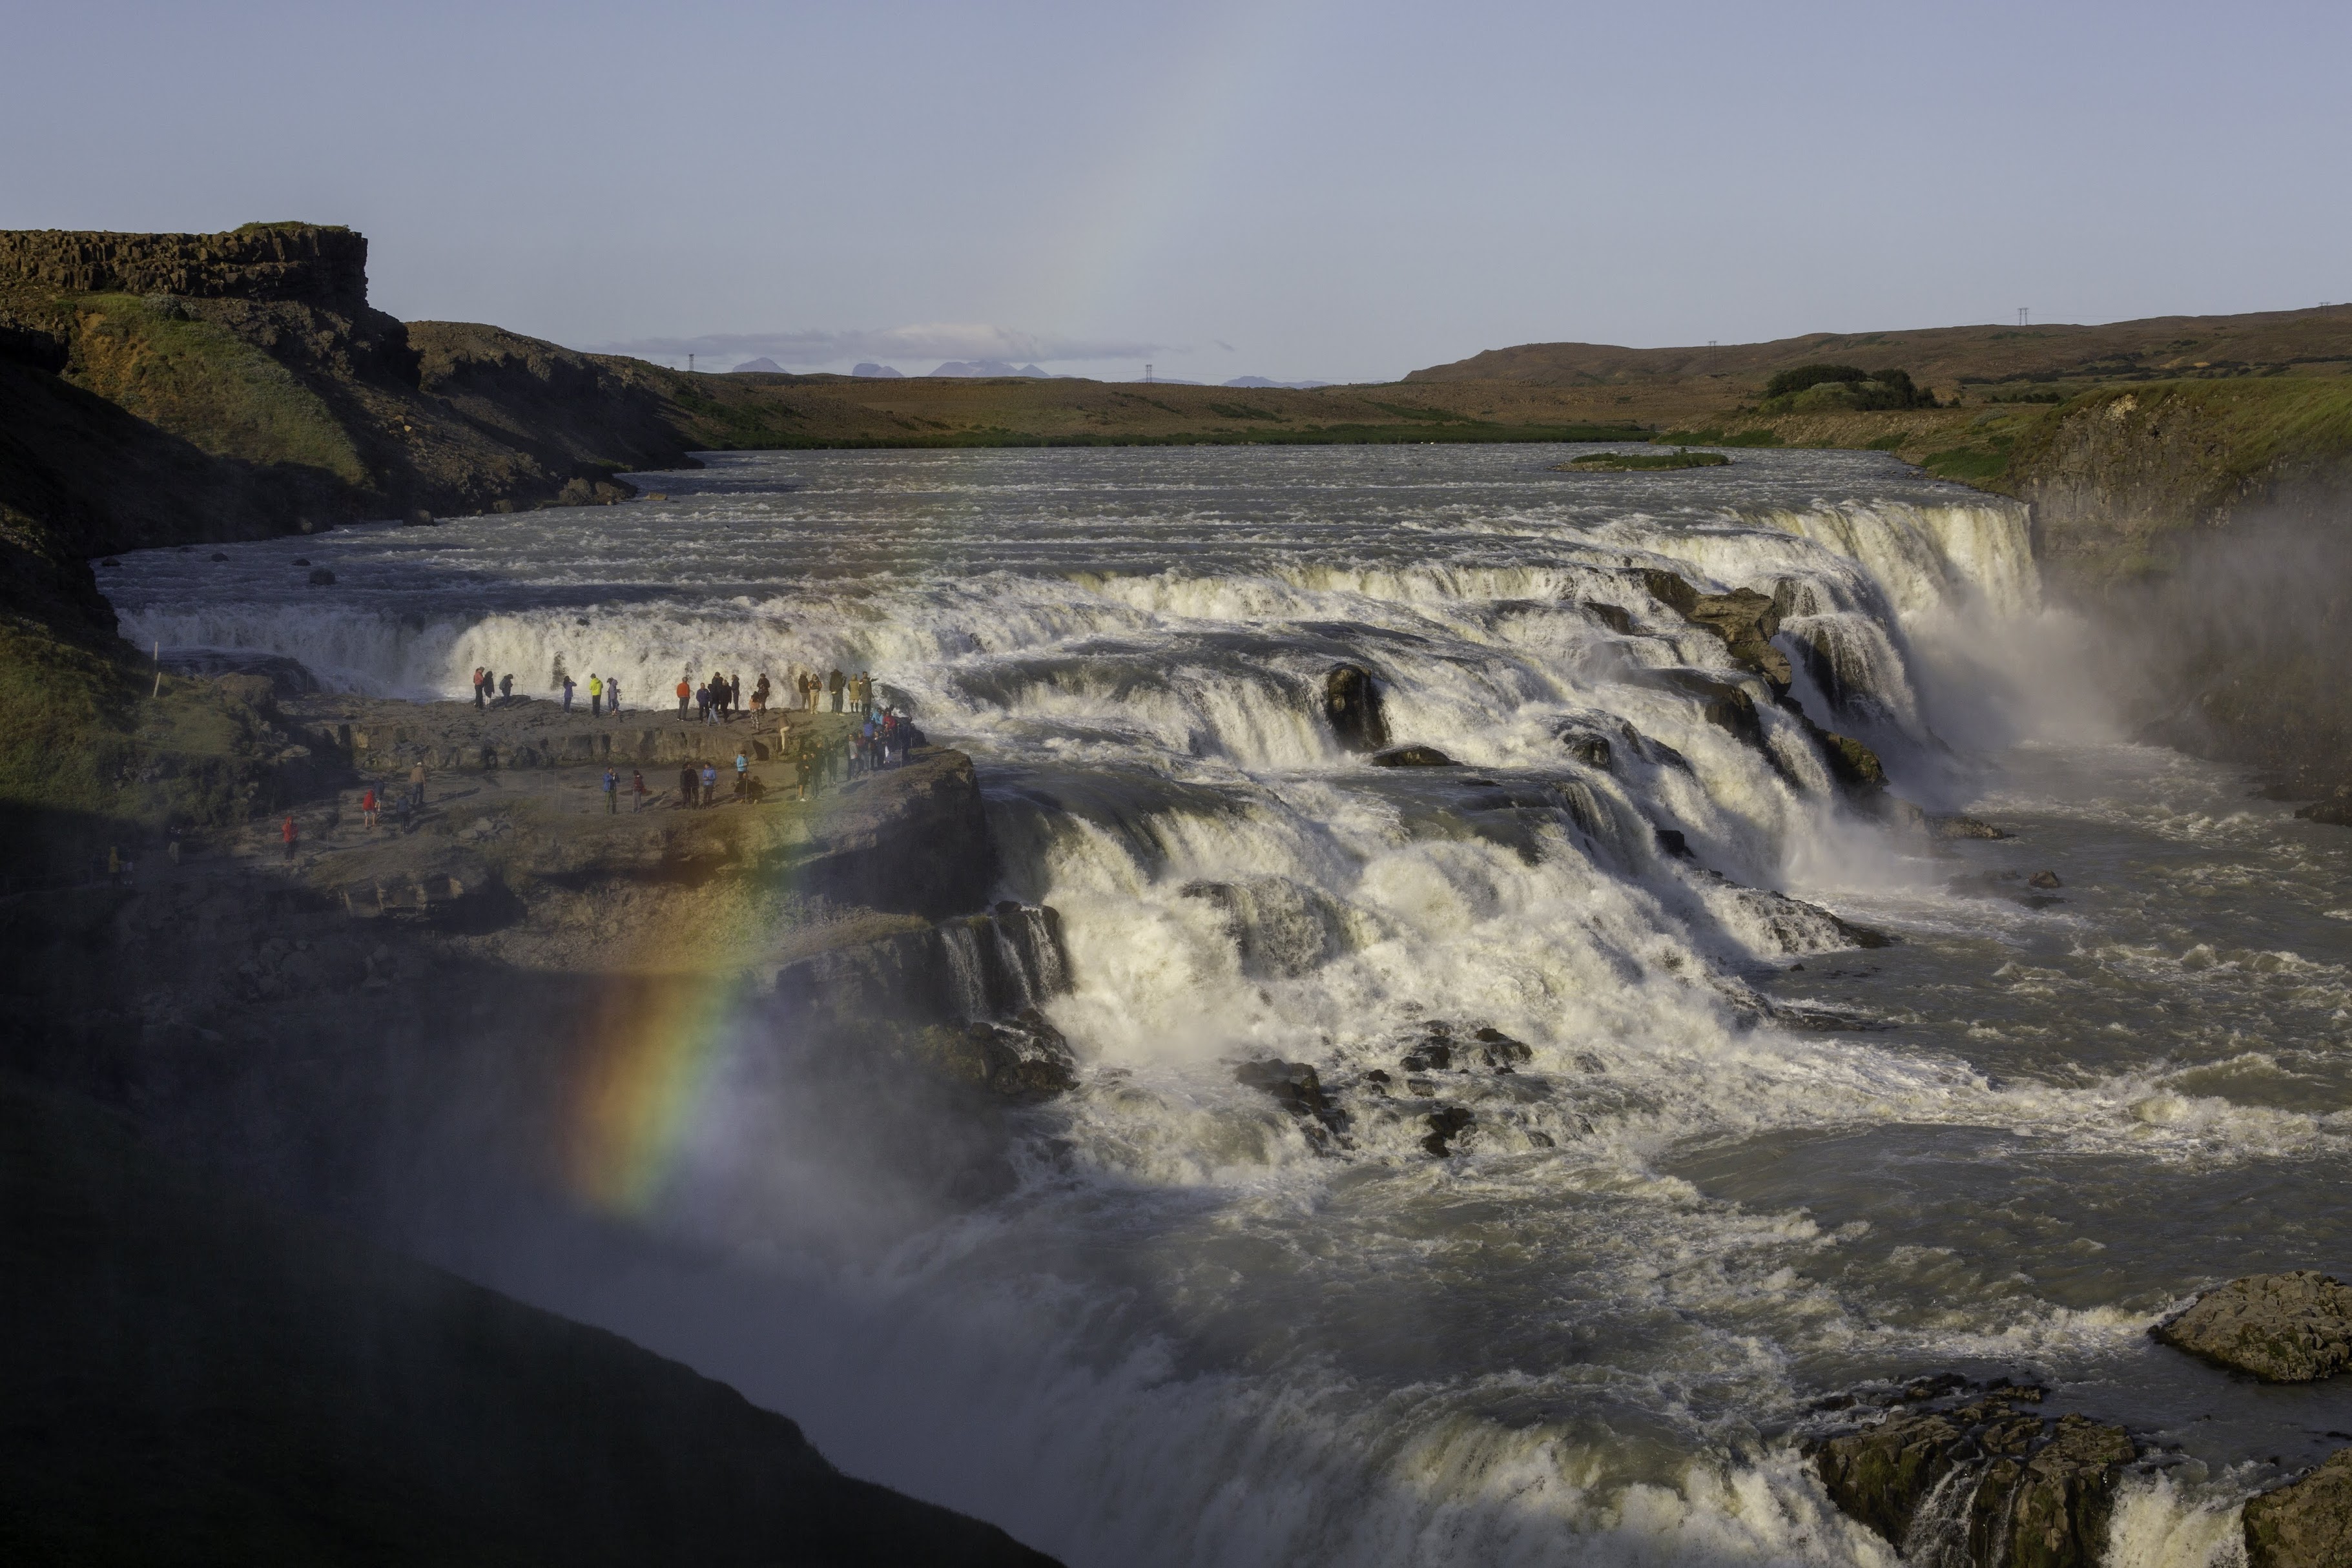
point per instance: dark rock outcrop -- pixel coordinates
(1588, 747)
(1669, 588)
(1298, 1088)
(2335, 809)
(1412, 756)
(1500, 1050)
(1295, 1086)
(1986, 1484)
(1952, 827)
(1723, 704)
(1022, 1058)
(1615, 618)
(1446, 1123)
(309, 264)
(1351, 704)
(2307, 1523)
(2283, 1327)
(1747, 621)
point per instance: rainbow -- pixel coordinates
(650, 1060)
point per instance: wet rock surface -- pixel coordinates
(1412, 756)
(2295, 1327)
(2335, 809)
(2307, 1523)
(1747, 621)
(1298, 1088)
(1351, 705)
(1987, 1483)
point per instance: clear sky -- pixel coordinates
(1291, 188)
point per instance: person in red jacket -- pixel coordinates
(286, 832)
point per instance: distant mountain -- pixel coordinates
(1261, 381)
(763, 365)
(989, 367)
(873, 371)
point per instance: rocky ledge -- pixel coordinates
(2295, 1327)
(1989, 1482)
(2307, 1523)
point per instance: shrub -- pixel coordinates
(1810, 387)
(1790, 382)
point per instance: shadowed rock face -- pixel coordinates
(2283, 1327)
(1411, 757)
(1988, 1483)
(187, 1367)
(2306, 1524)
(1351, 702)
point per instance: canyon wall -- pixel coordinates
(2208, 525)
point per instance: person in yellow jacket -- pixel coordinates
(595, 696)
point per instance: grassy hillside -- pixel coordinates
(732, 411)
(1985, 361)
(203, 382)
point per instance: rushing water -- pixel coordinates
(1195, 1334)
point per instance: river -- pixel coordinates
(1743, 1164)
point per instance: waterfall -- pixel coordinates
(1928, 556)
(964, 975)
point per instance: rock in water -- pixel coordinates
(1445, 1124)
(1746, 622)
(1950, 827)
(1723, 704)
(2044, 879)
(1411, 757)
(2031, 1493)
(1295, 1086)
(2283, 1327)
(1351, 702)
(1668, 589)
(2335, 810)
(1852, 764)
(1592, 749)
(2307, 1523)
(1616, 618)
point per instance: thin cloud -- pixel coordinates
(933, 340)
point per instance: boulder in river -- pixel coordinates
(2295, 1327)
(2045, 880)
(2335, 810)
(1669, 589)
(2307, 1523)
(1295, 1086)
(1950, 827)
(1987, 1483)
(1615, 618)
(1723, 704)
(1412, 756)
(1746, 622)
(1352, 703)
(1445, 1124)
(1588, 747)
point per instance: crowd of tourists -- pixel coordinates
(879, 736)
